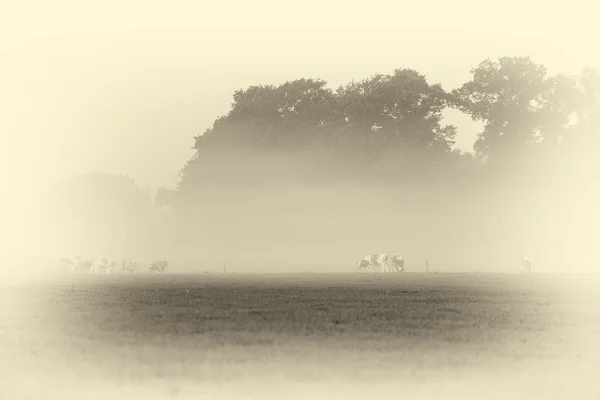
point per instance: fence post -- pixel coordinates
(427, 266)
(224, 267)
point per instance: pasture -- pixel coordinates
(294, 336)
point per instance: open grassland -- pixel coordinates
(245, 336)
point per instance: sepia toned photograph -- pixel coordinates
(268, 200)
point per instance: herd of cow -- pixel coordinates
(373, 261)
(86, 265)
(106, 265)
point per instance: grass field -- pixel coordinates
(479, 336)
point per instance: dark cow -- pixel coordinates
(84, 264)
(129, 265)
(365, 263)
(103, 264)
(159, 266)
(373, 260)
(398, 262)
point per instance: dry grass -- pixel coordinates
(286, 336)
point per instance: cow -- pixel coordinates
(103, 263)
(398, 262)
(64, 265)
(129, 265)
(373, 260)
(365, 263)
(159, 266)
(526, 264)
(83, 264)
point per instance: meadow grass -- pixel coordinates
(183, 332)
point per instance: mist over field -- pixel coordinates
(288, 151)
(299, 177)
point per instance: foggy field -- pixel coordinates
(296, 335)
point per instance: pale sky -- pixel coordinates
(123, 86)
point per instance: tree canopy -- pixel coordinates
(525, 112)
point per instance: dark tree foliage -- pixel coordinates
(399, 111)
(525, 110)
(529, 118)
(290, 116)
(509, 97)
(395, 116)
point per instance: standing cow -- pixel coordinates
(374, 260)
(129, 265)
(159, 266)
(83, 264)
(526, 264)
(103, 264)
(398, 262)
(64, 265)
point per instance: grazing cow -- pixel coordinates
(526, 264)
(83, 264)
(398, 262)
(103, 263)
(373, 260)
(365, 263)
(130, 266)
(159, 266)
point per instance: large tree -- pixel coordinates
(523, 108)
(539, 131)
(508, 96)
(401, 111)
(264, 121)
(398, 114)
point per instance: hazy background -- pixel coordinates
(123, 88)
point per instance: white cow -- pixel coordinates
(365, 263)
(101, 264)
(83, 264)
(398, 262)
(526, 264)
(64, 265)
(373, 260)
(75, 264)
(129, 265)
